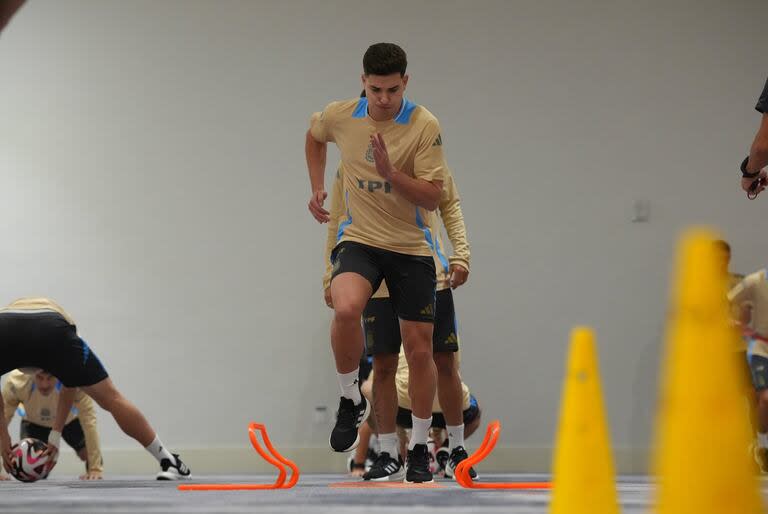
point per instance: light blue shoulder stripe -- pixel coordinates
(361, 111)
(404, 116)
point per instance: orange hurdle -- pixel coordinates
(273, 457)
(486, 447)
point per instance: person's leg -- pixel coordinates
(133, 423)
(417, 342)
(383, 336)
(355, 276)
(350, 293)
(445, 345)
(411, 282)
(449, 392)
(385, 399)
(127, 416)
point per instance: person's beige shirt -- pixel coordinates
(374, 213)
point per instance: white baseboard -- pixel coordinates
(245, 460)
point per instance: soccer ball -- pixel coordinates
(27, 462)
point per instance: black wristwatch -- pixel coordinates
(744, 172)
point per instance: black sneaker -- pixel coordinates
(458, 454)
(174, 471)
(344, 437)
(417, 468)
(386, 469)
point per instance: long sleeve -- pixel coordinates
(10, 400)
(87, 417)
(453, 220)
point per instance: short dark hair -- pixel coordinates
(384, 59)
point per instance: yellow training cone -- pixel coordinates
(702, 432)
(583, 481)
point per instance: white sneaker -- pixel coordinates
(174, 471)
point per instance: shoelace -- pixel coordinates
(382, 460)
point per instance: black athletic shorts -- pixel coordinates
(410, 278)
(46, 340)
(382, 328)
(72, 434)
(404, 419)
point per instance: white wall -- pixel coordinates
(153, 181)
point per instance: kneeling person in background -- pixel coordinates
(35, 398)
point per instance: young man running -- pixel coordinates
(392, 167)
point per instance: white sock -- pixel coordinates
(762, 439)
(349, 384)
(389, 443)
(420, 431)
(455, 435)
(158, 450)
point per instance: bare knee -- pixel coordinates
(417, 340)
(419, 355)
(346, 312)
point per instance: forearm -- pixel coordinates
(758, 154)
(92, 446)
(419, 192)
(63, 408)
(316, 153)
(453, 220)
(10, 403)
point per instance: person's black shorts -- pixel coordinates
(404, 419)
(72, 434)
(46, 340)
(410, 278)
(382, 328)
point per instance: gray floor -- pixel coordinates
(311, 495)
